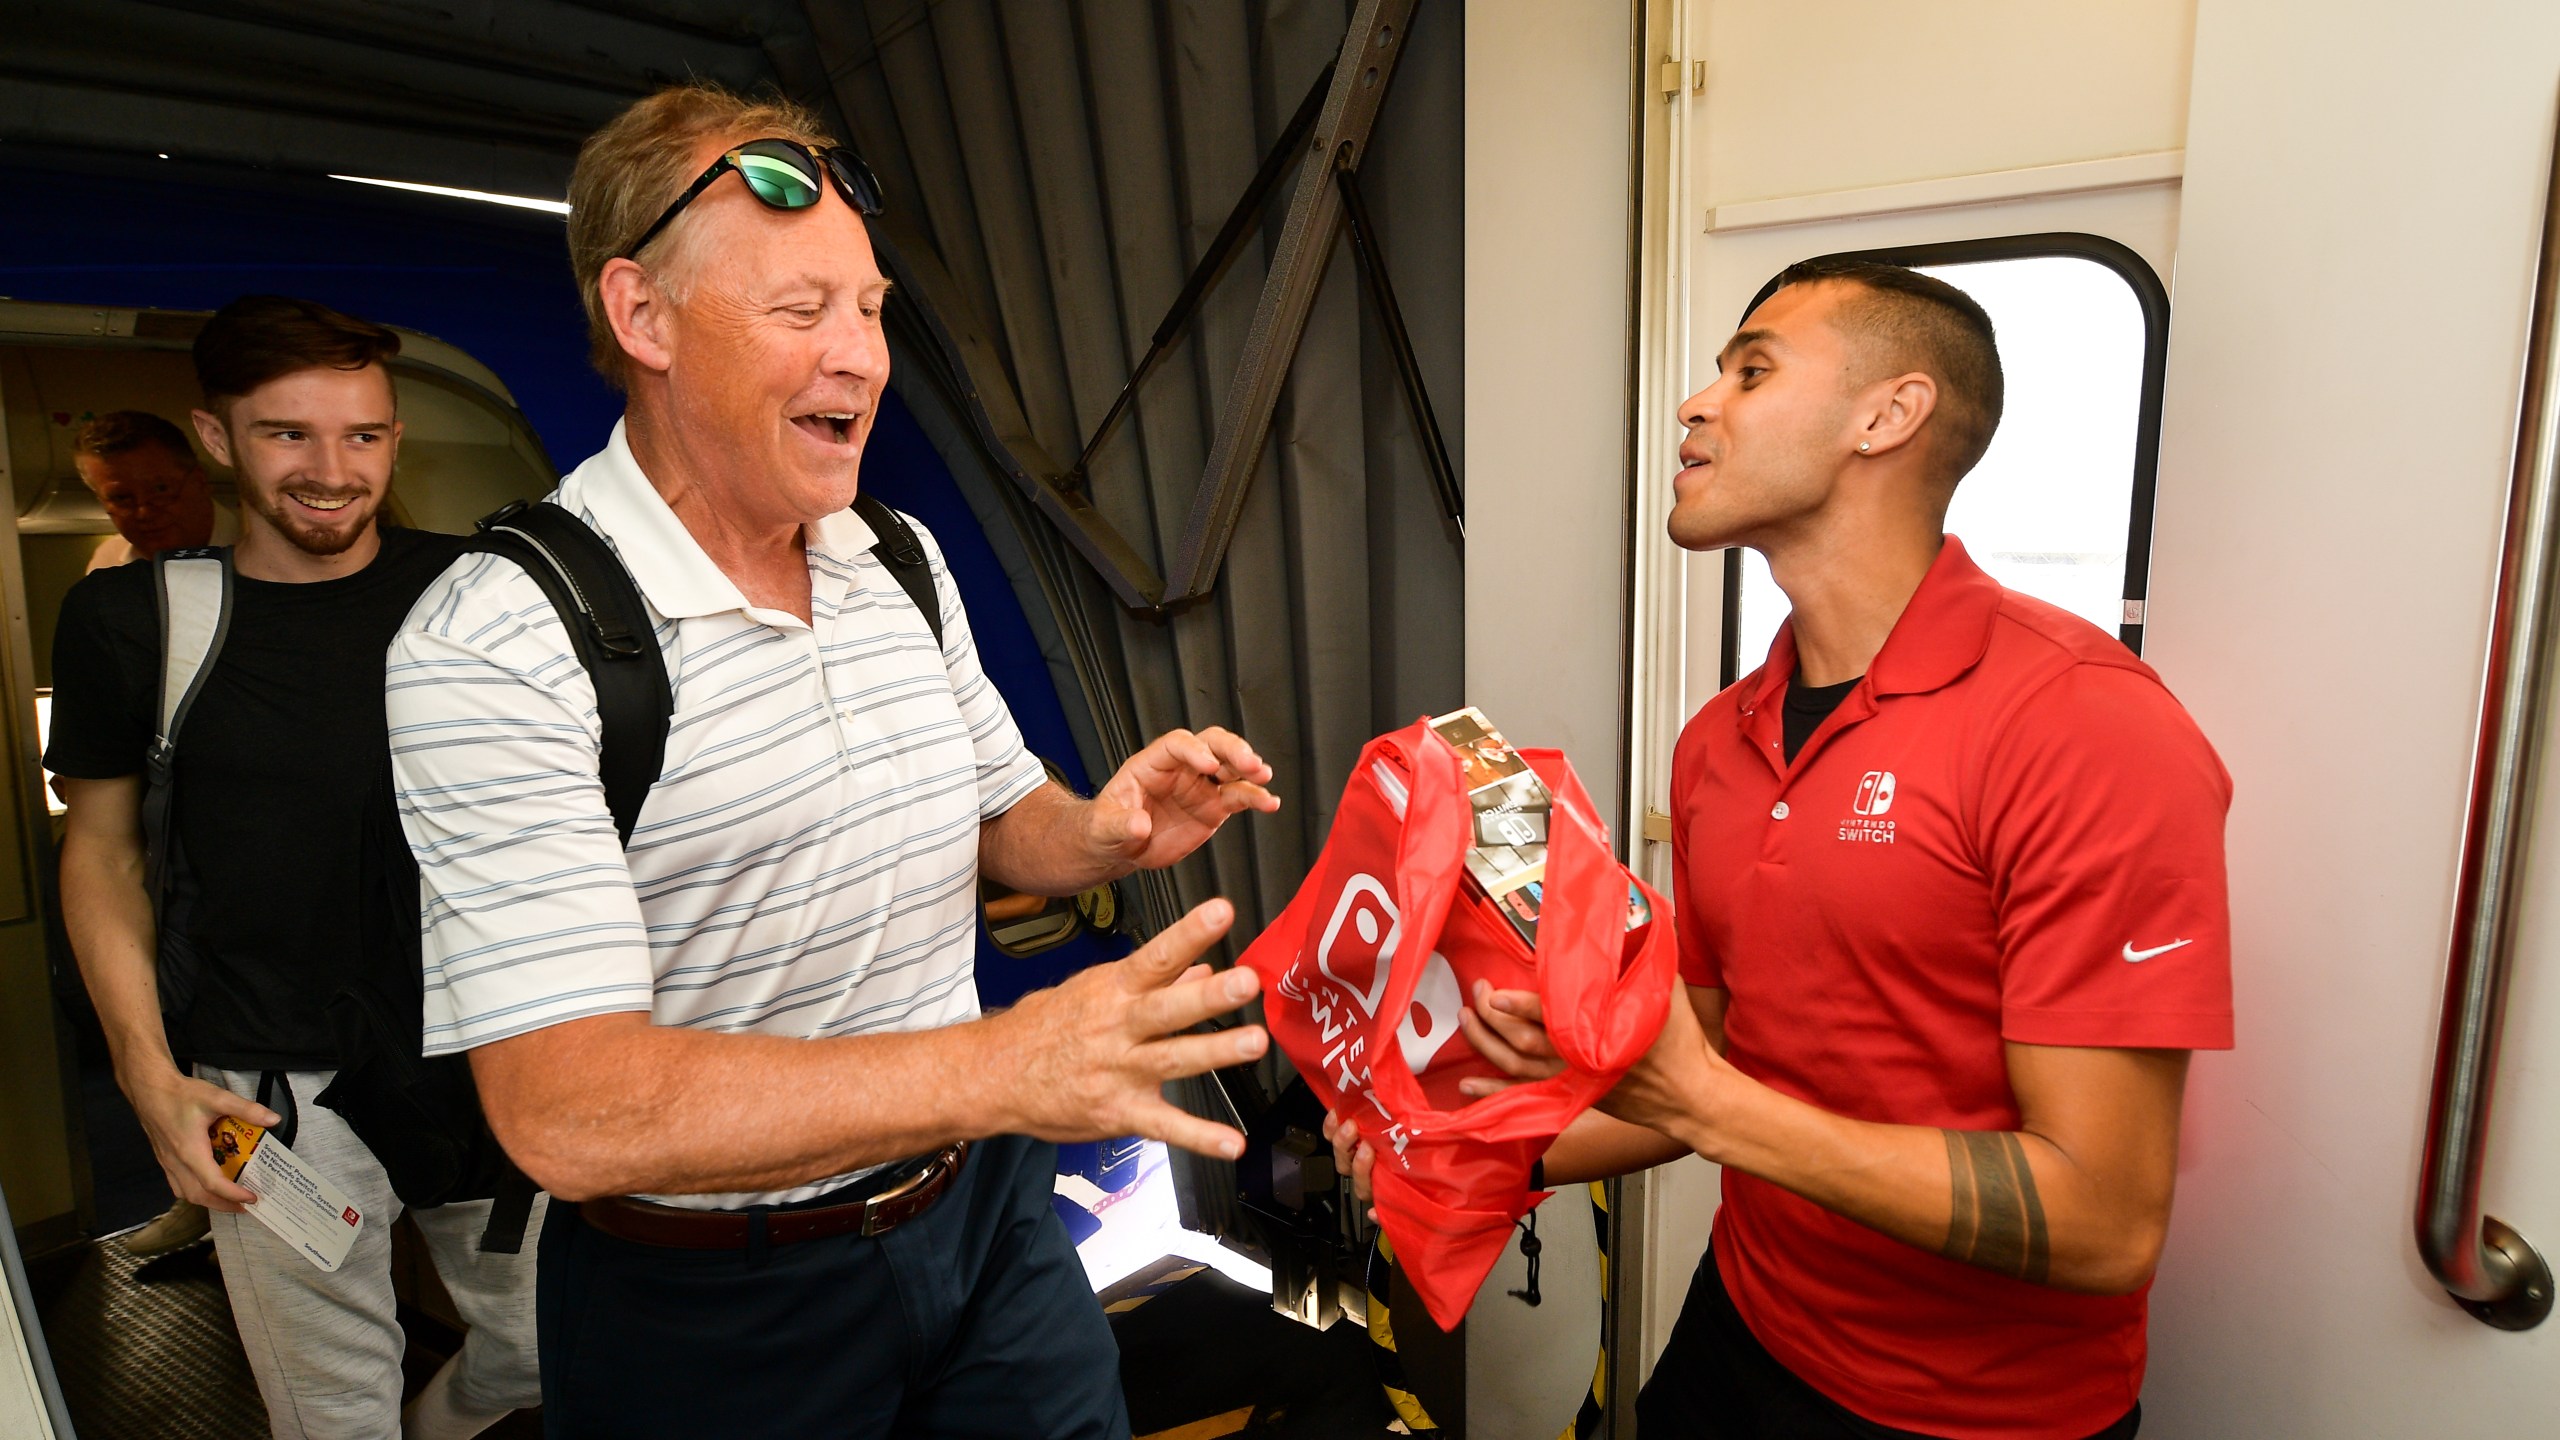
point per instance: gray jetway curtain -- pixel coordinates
(1054, 171)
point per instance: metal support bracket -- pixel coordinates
(1328, 136)
(1369, 51)
(1417, 396)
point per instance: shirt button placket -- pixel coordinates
(1778, 811)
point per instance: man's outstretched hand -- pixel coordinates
(1172, 796)
(1091, 1055)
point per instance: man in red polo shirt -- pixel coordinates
(1949, 885)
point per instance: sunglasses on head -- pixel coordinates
(785, 175)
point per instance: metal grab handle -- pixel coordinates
(2492, 1271)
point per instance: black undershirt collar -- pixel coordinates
(1807, 706)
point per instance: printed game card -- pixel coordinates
(295, 1201)
(1509, 800)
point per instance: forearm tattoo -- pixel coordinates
(1998, 1223)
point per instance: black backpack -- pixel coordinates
(421, 1116)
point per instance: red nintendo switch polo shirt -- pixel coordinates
(2009, 831)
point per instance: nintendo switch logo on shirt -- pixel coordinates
(1874, 798)
(1875, 793)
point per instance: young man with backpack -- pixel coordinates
(218, 727)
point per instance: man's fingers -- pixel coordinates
(1494, 1048)
(213, 1103)
(1344, 1137)
(1179, 1007)
(1193, 754)
(1240, 795)
(1352, 1156)
(1523, 1004)
(223, 1195)
(1181, 1056)
(202, 1176)
(1523, 1036)
(1160, 961)
(224, 1102)
(202, 1184)
(1174, 754)
(1159, 1120)
(1234, 755)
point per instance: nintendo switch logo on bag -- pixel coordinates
(1874, 797)
(1369, 915)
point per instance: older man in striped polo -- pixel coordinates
(726, 1037)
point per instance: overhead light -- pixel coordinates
(164, 154)
(521, 202)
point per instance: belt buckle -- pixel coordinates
(872, 1222)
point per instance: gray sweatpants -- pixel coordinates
(326, 1346)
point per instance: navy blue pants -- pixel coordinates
(972, 1320)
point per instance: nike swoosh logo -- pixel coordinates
(2136, 957)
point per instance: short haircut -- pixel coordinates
(257, 338)
(1908, 321)
(118, 431)
(633, 169)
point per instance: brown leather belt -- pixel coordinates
(645, 1222)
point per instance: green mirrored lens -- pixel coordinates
(777, 182)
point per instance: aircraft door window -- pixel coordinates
(2060, 507)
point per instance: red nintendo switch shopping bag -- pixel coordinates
(1365, 970)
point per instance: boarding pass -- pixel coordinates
(294, 1200)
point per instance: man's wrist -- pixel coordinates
(1705, 1121)
(140, 1077)
(988, 1101)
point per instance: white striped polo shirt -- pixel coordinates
(807, 863)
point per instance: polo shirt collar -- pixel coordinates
(1942, 632)
(664, 559)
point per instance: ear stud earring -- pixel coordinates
(1862, 447)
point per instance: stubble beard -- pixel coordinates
(314, 540)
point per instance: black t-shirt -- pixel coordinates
(1807, 706)
(284, 746)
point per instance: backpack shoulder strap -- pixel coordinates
(195, 618)
(609, 627)
(194, 588)
(903, 554)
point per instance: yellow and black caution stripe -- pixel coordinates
(1382, 1335)
(1587, 1420)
